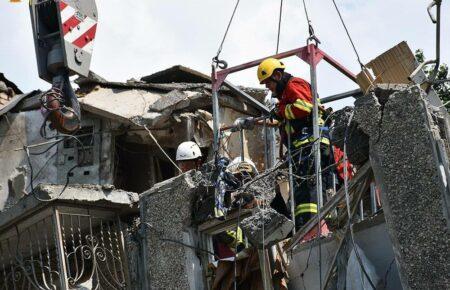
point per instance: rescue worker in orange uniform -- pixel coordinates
(296, 105)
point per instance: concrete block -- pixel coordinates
(357, 140)
(166, 215)
(266, 227)
(407, 169)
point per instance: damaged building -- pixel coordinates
(114, 146)
(108, 209)
(129, 135)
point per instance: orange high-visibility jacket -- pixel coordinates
(296, 101)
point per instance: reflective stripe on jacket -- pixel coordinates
(305, 208)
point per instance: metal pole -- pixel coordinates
(316, 148)
(291, 177)
(60, 250)
(241, 137)
(316, 132)
(373, 198)
(216, 120)
(216, 112)
(361, 210)
(266, 146)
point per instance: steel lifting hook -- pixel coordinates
(432, 4)
(220, 63)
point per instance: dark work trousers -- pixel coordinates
(305, 196)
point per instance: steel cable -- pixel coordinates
(348, 34)
(219, 50)
(279, 25)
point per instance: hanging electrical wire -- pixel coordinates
(27, 153)
(162, 149)
(218, 62)
(348, 34)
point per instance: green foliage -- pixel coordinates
(442, 89)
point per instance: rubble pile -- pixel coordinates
(266, 226)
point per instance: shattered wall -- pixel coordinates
(405, 162)
(166, 211)
(51, 162)
(15, 172)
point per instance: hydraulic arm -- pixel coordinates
(64, 33)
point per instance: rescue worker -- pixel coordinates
(189, 156)
(240, 172)
(296, 105)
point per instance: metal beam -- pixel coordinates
(353, 93)
(361, 174)
(247, 98)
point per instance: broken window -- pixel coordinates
(139, 166)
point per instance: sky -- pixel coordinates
(139, 37)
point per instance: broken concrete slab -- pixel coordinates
(357, 140)
(118, 105)
(166, 217)
(384, 91)
(266, 227)
(367, 114)
(175, 98)
(263, 187)
(407, 170)
(85, 194)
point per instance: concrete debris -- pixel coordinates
(265, 227)
(357, 140)
(166, 217)
(175, 99)
(384, 91)
(16, 185)
(368, 114)
(263, 188)
(406, 166)
(86, 193)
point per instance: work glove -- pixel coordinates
(273, 114)
(245, 123)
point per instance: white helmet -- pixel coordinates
(188, 151)
(237, 165)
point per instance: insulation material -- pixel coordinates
(392, 66)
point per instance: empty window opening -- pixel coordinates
(139, 166)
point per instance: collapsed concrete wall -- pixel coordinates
(166, 211)
(408, 170)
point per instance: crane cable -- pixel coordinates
(221, 63)
(349, 37)
(309, 23)
(279, 26)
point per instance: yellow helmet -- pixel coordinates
(267, 67)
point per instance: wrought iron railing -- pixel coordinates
(66, 248)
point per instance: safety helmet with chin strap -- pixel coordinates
(188, 151)
(267, 67)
